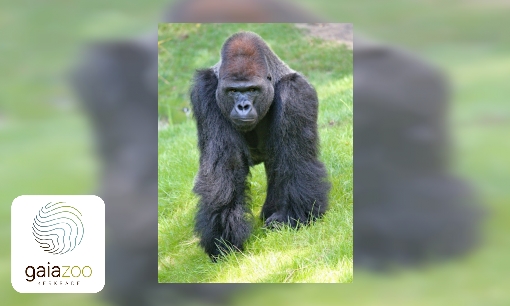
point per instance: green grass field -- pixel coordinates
(318, 253)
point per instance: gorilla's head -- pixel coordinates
(245, 89)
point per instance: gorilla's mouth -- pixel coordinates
(244, 123)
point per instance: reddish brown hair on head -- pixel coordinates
(243, 57)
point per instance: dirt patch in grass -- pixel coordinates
(339, 32)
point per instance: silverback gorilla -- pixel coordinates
(250, 108)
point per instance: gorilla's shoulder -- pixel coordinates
(295, 85)
(294, 79)
(205, 75)
(291, 77)
(204, 83)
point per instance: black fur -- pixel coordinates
(283, 136)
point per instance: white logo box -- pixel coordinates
(66, 231)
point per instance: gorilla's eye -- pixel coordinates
(252, 89)
(231, 90)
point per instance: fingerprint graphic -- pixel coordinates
(58, 228)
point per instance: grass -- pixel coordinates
(318, 253)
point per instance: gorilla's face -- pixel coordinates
(245, 92)
(245, 101)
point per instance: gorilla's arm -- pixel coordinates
(297, 185)
(224, 165)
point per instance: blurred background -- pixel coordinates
(78, 116)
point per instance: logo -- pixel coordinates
(58, 228)
(57, 244)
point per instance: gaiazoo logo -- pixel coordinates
(57, 244)
(58, 228)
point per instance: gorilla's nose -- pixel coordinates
(243, 108)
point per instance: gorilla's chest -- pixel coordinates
(256, 141)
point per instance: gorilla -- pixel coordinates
(251, 108)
